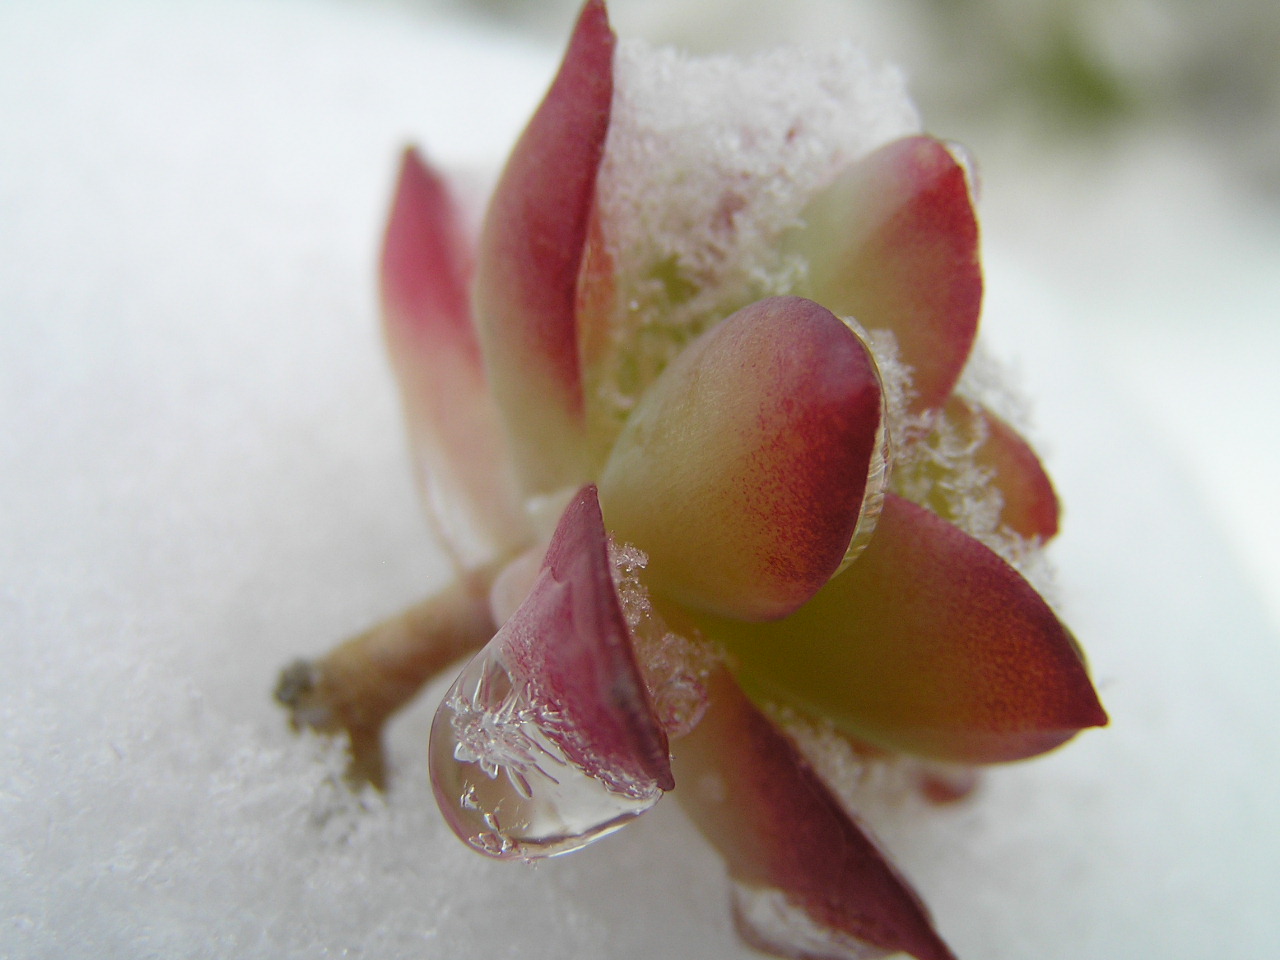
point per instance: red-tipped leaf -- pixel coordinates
(928, 643)
(894, 244)
(743, 470)
(790, 845)
(459, 449)
(531, 250)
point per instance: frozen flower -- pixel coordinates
(688, 424)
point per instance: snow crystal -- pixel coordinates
(933, 458)
(675, 667)
(709, 160)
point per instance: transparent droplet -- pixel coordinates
(508, 768)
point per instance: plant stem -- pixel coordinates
(359, 685)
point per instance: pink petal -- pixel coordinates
(894, 244)
(929, 644)
(530, 253)
(786, 840)
(459, 450)
(547, 740)
(743, 470)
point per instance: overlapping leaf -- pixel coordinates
(743, 470)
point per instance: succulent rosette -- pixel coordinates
(688, 421)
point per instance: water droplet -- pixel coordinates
(547, 740)
(508, 772)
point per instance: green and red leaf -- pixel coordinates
(742, 471)
(459, 450)
(785, 837)
(531, 250)
(894, 243)
(929, 643)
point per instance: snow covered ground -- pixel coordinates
(202, 476)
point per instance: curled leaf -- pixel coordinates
(547, 739)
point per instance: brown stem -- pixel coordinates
(361, 683)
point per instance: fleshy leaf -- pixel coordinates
(894, 243)
(547, 740)
(531, 250)
(597, 334)
(459, 450)
(808, 882)
(1030, 503)
(743, 470)
(928, 643)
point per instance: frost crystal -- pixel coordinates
(990, 383)
(504, 774)
(887, 786)
(675, 668)
(934, 458)
(697, 191)
(497, 738)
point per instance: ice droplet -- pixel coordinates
(674, 667)
(547, 739)
(504, 771)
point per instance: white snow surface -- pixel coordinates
(202, 476)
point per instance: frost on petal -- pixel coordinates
(807, 881)
(531, 251)
(930, 644)
(1030, 503)
(893, 242)
(674, 666)
(743, 471)
(459, 450)
(976, 471)
(709, 162)
(547, 739)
